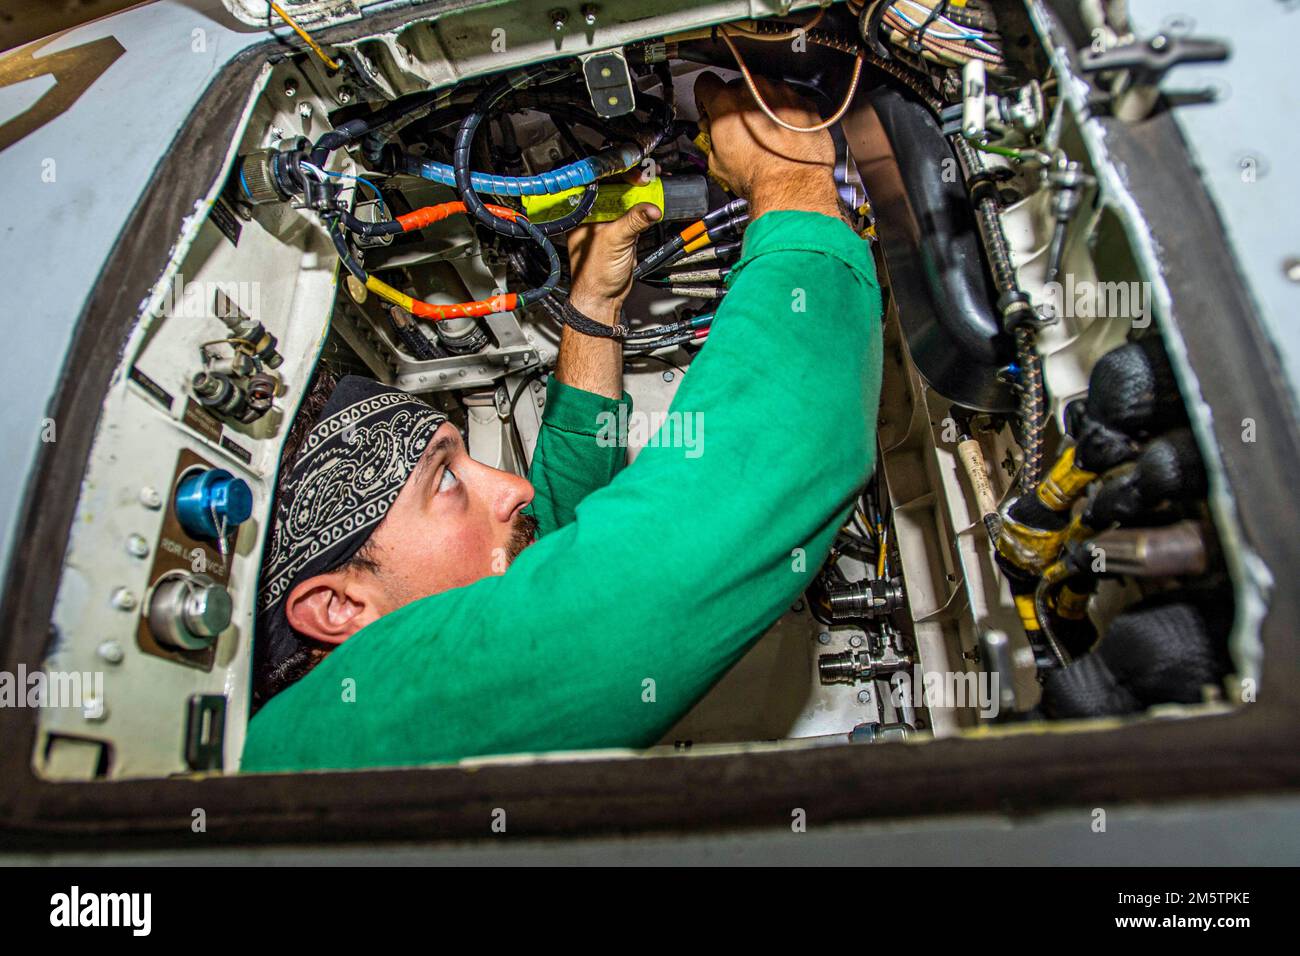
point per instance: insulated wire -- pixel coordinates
(767, 110)
(306, 37)
(360, 179)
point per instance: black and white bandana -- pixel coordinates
(349, 471)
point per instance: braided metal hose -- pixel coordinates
(1031, 392)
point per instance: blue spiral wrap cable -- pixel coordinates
(580, 173)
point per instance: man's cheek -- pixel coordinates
(472, 553)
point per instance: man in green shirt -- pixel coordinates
(419, 625)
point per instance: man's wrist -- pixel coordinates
(792, 190)
(597, 307)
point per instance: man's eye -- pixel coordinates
(448, 482)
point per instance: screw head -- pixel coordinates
(291, 88)
(123, 599)
(669, 375)
(559, 18)
(824, 637)
(864, 697)
(1291, 268)
(305, 110)
(855, 641)
(111, 652)
(137, 546)
(150, 498)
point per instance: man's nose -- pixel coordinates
(512, 493)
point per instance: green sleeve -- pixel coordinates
(604, 632)
(579, 449)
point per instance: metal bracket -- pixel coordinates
(609, 82)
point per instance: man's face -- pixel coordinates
(454, 521)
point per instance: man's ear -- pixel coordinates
(331, 607)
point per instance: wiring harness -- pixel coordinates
(307, 171)
(427, 216)
(934, 31)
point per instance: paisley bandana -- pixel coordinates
(349, 471)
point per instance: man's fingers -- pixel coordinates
(634, 222)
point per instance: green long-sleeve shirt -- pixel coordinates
(647, 582)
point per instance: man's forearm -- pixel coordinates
(588, 362)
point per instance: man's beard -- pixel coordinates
(521, 535)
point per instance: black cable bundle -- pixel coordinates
(1161, 651)
(1169, 470)
(1132, 394)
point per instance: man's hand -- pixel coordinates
(601, 258)
(772, 167)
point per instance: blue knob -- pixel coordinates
(207, 500)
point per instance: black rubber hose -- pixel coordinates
(869, 23)
(337, 138)
(463, 148)
(464, 145)
(878, 60)
(529, 296)
(372, 230)
(345, 255)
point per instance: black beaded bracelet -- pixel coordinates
(589, 326)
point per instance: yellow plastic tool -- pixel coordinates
(612, 201)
